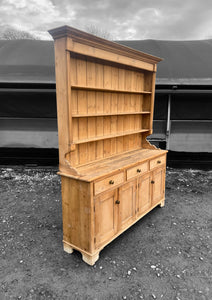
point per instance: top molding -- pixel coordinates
(97, 42)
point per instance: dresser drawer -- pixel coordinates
(108, 183)
(157, 162)
(137, 170)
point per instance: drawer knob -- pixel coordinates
(117, 202)
(159, 161)
(152, 182)
(139, 170)
(111, 182)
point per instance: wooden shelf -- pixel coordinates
(110, 114)
(88, 88)
(104, 137)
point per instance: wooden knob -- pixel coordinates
(159, 161)
(139, 170)
(152, 182)
(117, 202)
(111, 182)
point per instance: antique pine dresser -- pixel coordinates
(111, 176)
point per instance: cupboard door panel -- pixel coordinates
(144, 194)
(105, 217)
(127, 198)
(158, 185)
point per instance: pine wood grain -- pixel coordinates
(111, 176)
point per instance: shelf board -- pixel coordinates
(99, 138)
(88, 88)
(110, 114)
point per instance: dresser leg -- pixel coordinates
(162, 203)
(67, 248)
(90, 259)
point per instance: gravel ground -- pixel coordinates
(166, 255)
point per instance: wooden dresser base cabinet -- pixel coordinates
(111, 175)
(90, 222)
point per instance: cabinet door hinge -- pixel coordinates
(94, 240)
(94, 209)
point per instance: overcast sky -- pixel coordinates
(122, 19)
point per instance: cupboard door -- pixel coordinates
(126, 205)
(144, 194)
(158, 185)
(105, 217)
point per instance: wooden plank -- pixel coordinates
(99, 109)
(99, 133)
(62, 100)
(83, 153)
(110, 90)
(83, 135)
(132, 139)
(139, 106)
(107, 147)
(91, 98)
(107, 108)
(120, 120)
(99, 149)
(91, 95)
(75, 129)
(152, 101)
(127, 141)
(83, 129)
(99, 78)
(71, 157)
(101, 168)
(114, 108)
(107, 126)
(91, 133)
(81, 68)
(82, 103)
(114, 86)
(114, 130)
(110, 114)
(90, 73)
(91, 148)
(91, 123)
(74, 102)
(107, 84)
(109, 136)
(73, 70)
(108, 56)
(146, 103)
(148, 81)
(76, 203)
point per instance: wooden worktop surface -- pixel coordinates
(101, 168)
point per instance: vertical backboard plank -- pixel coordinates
(99, 108)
